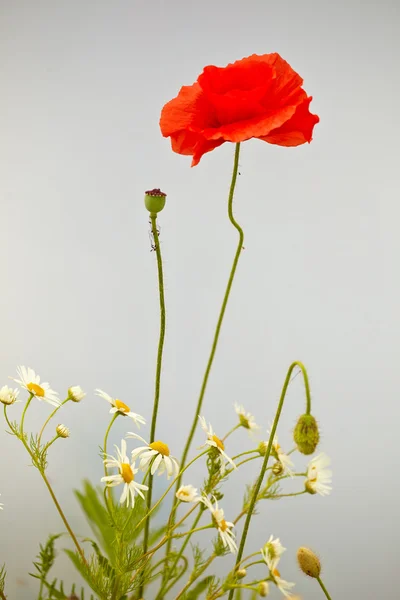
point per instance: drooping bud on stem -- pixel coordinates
(154, 200)
(309, 562)
(306, 434)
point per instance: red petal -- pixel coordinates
(297, 130)
(193, 144)
(188, 108)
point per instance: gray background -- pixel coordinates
(82, 88)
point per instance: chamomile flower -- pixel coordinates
(282, 585)
(76, 393)
(31, 382)
(318, 476)
(246, 419)
(224, 527)
(187, 493)
(8, 395)
(126, 475)
(214, 441)
(156, 452)
(279, 454)
(272, 552)
(123, 409)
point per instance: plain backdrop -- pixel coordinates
(82, 86)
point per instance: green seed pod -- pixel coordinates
(154, 200)
(306, 434)
(309, 562)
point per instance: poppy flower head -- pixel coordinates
(255, 97)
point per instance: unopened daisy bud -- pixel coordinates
(306, 434)
(8, 395)
(309, 562)
(154, 200)
(62, 431)
(262, 448)
(263, 589)
(309, 487)
(241, 573)
(277, 468)
(75, 393)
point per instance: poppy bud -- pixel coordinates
(154, 200)
(62, 431)
(263, 589)
(306, 434)
(309, 562)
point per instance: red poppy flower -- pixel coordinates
(255, 97)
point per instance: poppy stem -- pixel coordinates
(260, 479)
(219, 323)
(153, 218)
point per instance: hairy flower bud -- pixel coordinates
(62, 431)
(154, 200)
(306, 434)
(309, 562)
(263, 589)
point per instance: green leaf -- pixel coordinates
(199, 588)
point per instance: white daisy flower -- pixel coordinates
(282, 585)
(31, 382)
(76, 393)
(8, 395)
(224, 527)
(280, 455)
(246, 419)
(126, 475)
(187, 493)
(318, 476)
(214, 441)
(156, 452)
(123, 409)
(272, 552)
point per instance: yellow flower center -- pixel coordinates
(127, 473)
(276, 573)
(36, 390)
(160, 447)
(121, 406)
(222, 525)
(219, 443)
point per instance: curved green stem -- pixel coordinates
(299, 364)
(323, 588)
(42, 473)
(115, 415)
(153, 218)
(23, 415)
(193, 579)
(220, 318)
(267, 455)
(49, 418)
(107, 490)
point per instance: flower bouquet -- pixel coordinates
(129, 558)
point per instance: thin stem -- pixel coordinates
(306, 385)
(220, 318)
(23, 415)
(231, 431)
(153, 218)
(192, 580)
(266, 458)
(244, 453)
(170, 570)
(323, 588)
(115, 415)
(288, 495)
(49, 418)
